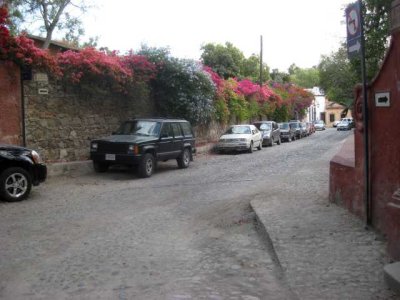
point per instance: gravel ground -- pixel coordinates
(181, 234)
(325, 251)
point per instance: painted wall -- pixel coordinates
(384, 147)
(10, 104)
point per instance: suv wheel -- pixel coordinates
(15, 184)
(100, 167)
(146, 166)
(260, 145)
(184, 159)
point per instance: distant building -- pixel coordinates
(317, 109)
(335, 112)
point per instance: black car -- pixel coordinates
(143, 142)
(270, 132)
(297, 128)
(20, 168)
(288, 133)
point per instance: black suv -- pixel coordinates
(20, 168)
(143, 142)
(288, 133)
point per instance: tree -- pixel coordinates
(53, 14)
(251, 69)
(377, 26)
(280, 77)
(338, 77)
(306, 78)
(181, 88)
(225, 60)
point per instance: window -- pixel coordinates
(167, 131)
(332, 117)
(177, 130)
(187, 130)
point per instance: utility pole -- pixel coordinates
(261, 59)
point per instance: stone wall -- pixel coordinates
(60, 122)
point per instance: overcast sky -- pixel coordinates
(294, 31)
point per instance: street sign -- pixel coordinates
(353, 22)
(382, 99)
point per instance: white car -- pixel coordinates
(240, 138)
(319, 125)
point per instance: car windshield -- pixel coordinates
(284, 126)
(144, 128)
(263, 126)
(319, 122)
(239, 130)
(295, 125)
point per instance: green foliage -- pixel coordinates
(225, 60)
(280, 77)
(181, 88)
(251, 69)
(53, 14)
(306, 78)
(239, 108)
(222, 112)
(338, 77)
(376, 33)
(281, 114)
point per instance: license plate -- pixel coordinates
(110, 156)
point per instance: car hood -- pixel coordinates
(285, 130)
(235, 136)
(136, 139)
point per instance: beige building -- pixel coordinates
(335, 112)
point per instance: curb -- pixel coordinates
(392, 276)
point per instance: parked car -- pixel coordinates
(319, 125)
(312, 127)
(270, 131)
(20, 168)
(335, 124)
(288, 133)
(240, 138)
(344, 125)
(296, 126)
(303, 129)
(350, 120)
(142, 142)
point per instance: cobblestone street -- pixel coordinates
(189, 234)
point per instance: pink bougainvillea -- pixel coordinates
(22, 50)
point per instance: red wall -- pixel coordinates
(10, 104)
(385, 144)
(347, 181)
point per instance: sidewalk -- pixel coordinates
(325, 252)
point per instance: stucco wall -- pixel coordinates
(10, 104)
